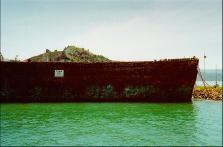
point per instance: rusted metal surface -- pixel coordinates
(151, 81)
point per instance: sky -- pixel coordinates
(124, 30)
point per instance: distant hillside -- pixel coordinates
(69, 54)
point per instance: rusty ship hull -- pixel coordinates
(169, 80)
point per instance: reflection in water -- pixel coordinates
(111, 124)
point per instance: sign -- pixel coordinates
(59, 73)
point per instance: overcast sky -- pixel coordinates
(124, 30)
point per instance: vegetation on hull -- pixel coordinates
(69, 54)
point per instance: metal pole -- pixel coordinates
(204, 63)
(216, 76)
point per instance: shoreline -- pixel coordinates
(208, 93)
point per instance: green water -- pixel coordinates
(199, 123)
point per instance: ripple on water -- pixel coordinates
(199, 123)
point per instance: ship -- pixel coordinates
(168, 80)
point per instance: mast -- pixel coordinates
(216, 75)
(204, 63)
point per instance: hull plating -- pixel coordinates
(151, 81)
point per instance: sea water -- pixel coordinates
(197, 123)
(208, 83)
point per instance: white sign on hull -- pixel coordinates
(59, 73)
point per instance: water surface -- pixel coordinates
(112, 124)
(210, 83)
